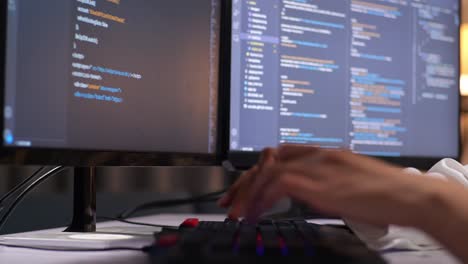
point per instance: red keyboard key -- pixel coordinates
(190, 223)
(166, 241)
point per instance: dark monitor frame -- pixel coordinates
(245, 160)
(80, 158)
(85, 161)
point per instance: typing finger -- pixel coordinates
(228, 198)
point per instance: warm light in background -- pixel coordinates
(464, 50)
(464, 60)
(464, 84)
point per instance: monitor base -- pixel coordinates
(103, 239)
(82, 235)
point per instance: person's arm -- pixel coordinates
(354, 187)
(449, 221)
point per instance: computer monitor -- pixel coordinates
(89, 83)
(110, 82)
(380, 78)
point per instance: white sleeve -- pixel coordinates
(450, 169)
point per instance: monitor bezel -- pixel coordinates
(91, 158)
(244, 160)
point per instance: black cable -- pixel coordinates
(19, 186)
(134, 222)
(165, 204)
(205, 198)
(26, 191)
(75, 250)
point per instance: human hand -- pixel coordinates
(357, 188)
(335, 182)
(236, 196)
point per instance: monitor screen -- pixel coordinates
(379, 77)
(112, 75)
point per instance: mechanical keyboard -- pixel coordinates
(266, 242)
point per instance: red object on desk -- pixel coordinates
(190, 223)
(167, 240)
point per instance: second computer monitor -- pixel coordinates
(377, 77)
(116, 76)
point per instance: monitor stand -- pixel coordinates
(84, 200)
(82, 233)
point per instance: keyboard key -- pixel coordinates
(293, 240)
(265, 222)
(193, 240)
(190, 223)
(247, 240)
(310, 232)
(266, 242)
(231, 224)
(270, 240)
(168, 240)
(223, 242)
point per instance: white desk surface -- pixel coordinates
(18, 255)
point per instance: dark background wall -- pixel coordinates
(50, 204)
